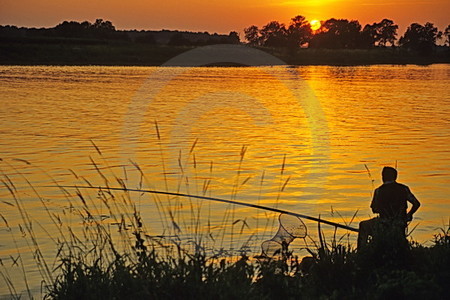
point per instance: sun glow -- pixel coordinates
(315, 24)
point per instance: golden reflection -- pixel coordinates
(245, 106)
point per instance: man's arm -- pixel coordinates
(415, 204)
(374, 205)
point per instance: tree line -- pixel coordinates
(344, 34)
(332, 34)
(102, 31)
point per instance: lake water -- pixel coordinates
(307, 139)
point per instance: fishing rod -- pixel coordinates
(281, 211)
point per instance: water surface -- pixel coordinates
(315, 140)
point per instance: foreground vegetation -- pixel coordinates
(100, 262)
(382, 271)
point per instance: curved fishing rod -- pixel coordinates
(281, 211)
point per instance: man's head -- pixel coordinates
(389, 174)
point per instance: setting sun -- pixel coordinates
(315, 24)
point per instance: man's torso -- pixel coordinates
(391, 200)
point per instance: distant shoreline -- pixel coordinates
(16, 53)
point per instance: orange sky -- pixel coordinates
(218, 15)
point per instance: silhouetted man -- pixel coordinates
(390, 202)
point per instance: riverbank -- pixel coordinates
(132, 54)
(384, 270)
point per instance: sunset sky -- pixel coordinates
(218, 15)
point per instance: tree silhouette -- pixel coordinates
(103, 29)
(99, 29)
(368, 36)
(386, 32)
(379, 34)
(447, 36)
(233, 38)
(73, 29)
(252, 35)
(420, 38)
(299, 32)
(103, 25)
(273, 34)
(337, 33)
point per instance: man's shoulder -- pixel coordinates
(404, 186)
(393, 185)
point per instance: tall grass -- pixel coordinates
(103, 249)
(96, 227)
